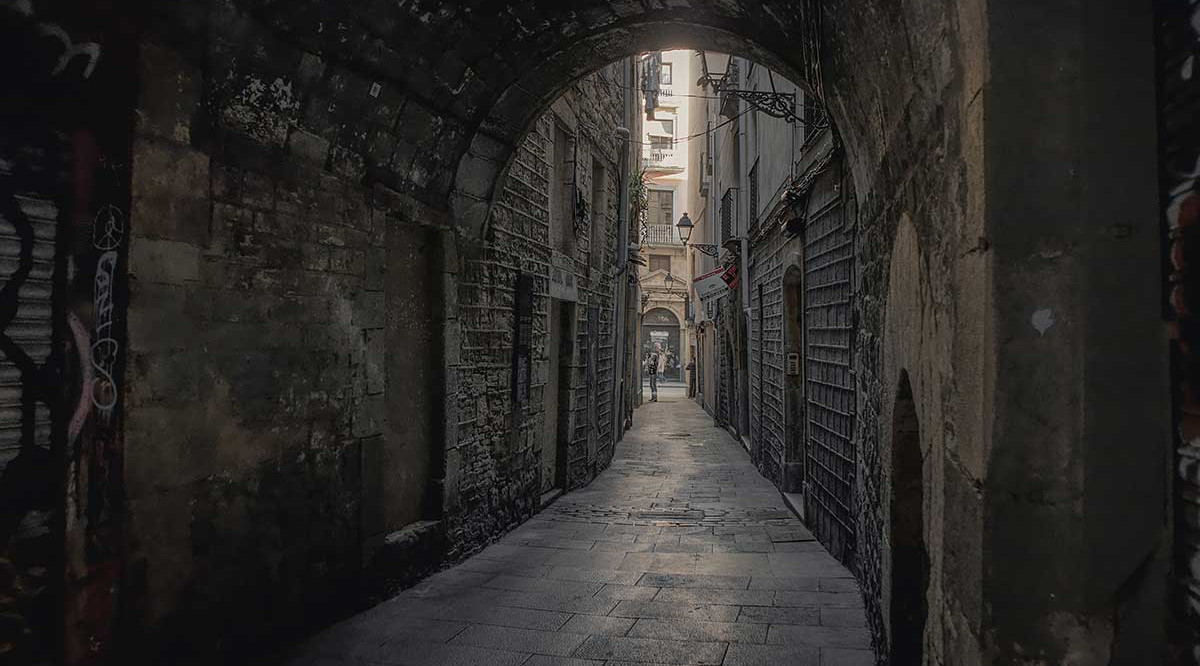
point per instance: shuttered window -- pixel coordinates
(727, 216)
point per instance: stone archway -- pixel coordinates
(661, 329)
(376, 123)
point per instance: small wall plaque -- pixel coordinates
(793, 364)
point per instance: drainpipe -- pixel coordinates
(744, 198)
(621, 280)
(715, 238)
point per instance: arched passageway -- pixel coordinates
(278, 162)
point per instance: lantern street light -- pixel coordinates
(715, 66)
(685, 227)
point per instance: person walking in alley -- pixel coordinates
(654, 367)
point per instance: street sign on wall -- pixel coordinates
(562, 278)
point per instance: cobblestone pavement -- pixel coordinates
(680, 553)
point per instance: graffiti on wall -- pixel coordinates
(1179, 104)
(27, 474)
(62, 49)
(64, 181)
(107, 234)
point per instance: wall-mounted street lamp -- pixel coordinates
(685, 227)
(773, 103)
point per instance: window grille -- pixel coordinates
(727, 215)
(754, 194)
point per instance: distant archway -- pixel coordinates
(661, 326)
(909, 607)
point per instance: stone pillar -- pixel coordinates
(1075, 520)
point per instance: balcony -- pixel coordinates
(659, 156)
(662, 161)
(661, 234)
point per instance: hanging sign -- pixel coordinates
(710, 285)
(730, 276)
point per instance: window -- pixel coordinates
(660, 262)
(727, 215)
(668, 127)
(599, 221)
(729, 103)
(660, 218)
(754, 193)
(662, 209)
(660, 143)
(665, 74)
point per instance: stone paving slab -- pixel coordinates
(694, 630)
(653, 650)
(679, 553)
(519, 640)
(772, 655)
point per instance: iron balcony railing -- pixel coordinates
(659, 156)
(661, 234)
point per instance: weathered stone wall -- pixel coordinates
(494, 466)
(289, 369)
(281, 145)
(262, 345)
(917, 148)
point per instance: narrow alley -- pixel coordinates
(679, 553)
(330, 332)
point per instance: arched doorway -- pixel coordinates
(660, 329)
(908, 608)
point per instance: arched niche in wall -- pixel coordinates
(908, 609)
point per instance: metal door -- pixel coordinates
(829, 381)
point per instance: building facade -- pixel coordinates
(666, 176)
(540, 412)
(775, 366)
